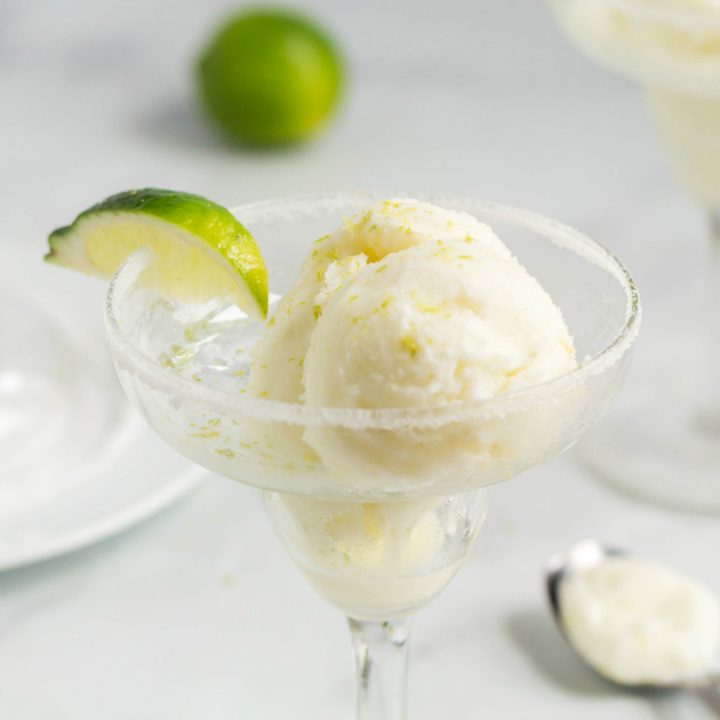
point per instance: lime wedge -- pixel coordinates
(202, 251)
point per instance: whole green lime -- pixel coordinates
(270, 77)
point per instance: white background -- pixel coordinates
(197, 614)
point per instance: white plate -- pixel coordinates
(144, 477)
(77, 462)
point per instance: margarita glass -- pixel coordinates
(672, 49)
(376, 545)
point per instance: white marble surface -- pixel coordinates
(198, 614)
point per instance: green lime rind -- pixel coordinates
(214, 227)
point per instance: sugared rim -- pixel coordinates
(265, 410)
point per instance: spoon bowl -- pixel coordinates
(582, 556)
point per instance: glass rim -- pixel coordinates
(267, 410)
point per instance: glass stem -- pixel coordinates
(709, 418)
(381, 655)
(714, 258)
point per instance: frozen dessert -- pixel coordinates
(408, 305)
(335, 259)
(673, 44)
(639, 622)
(673, 48)
(376, 560)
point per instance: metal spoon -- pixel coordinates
(582, 556)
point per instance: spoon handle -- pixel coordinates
(710, 695)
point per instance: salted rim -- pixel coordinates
(266, 410)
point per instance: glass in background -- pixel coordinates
(668, 448)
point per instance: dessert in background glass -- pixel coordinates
(381, 516)
(669, 450)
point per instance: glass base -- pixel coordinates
(671, 457)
